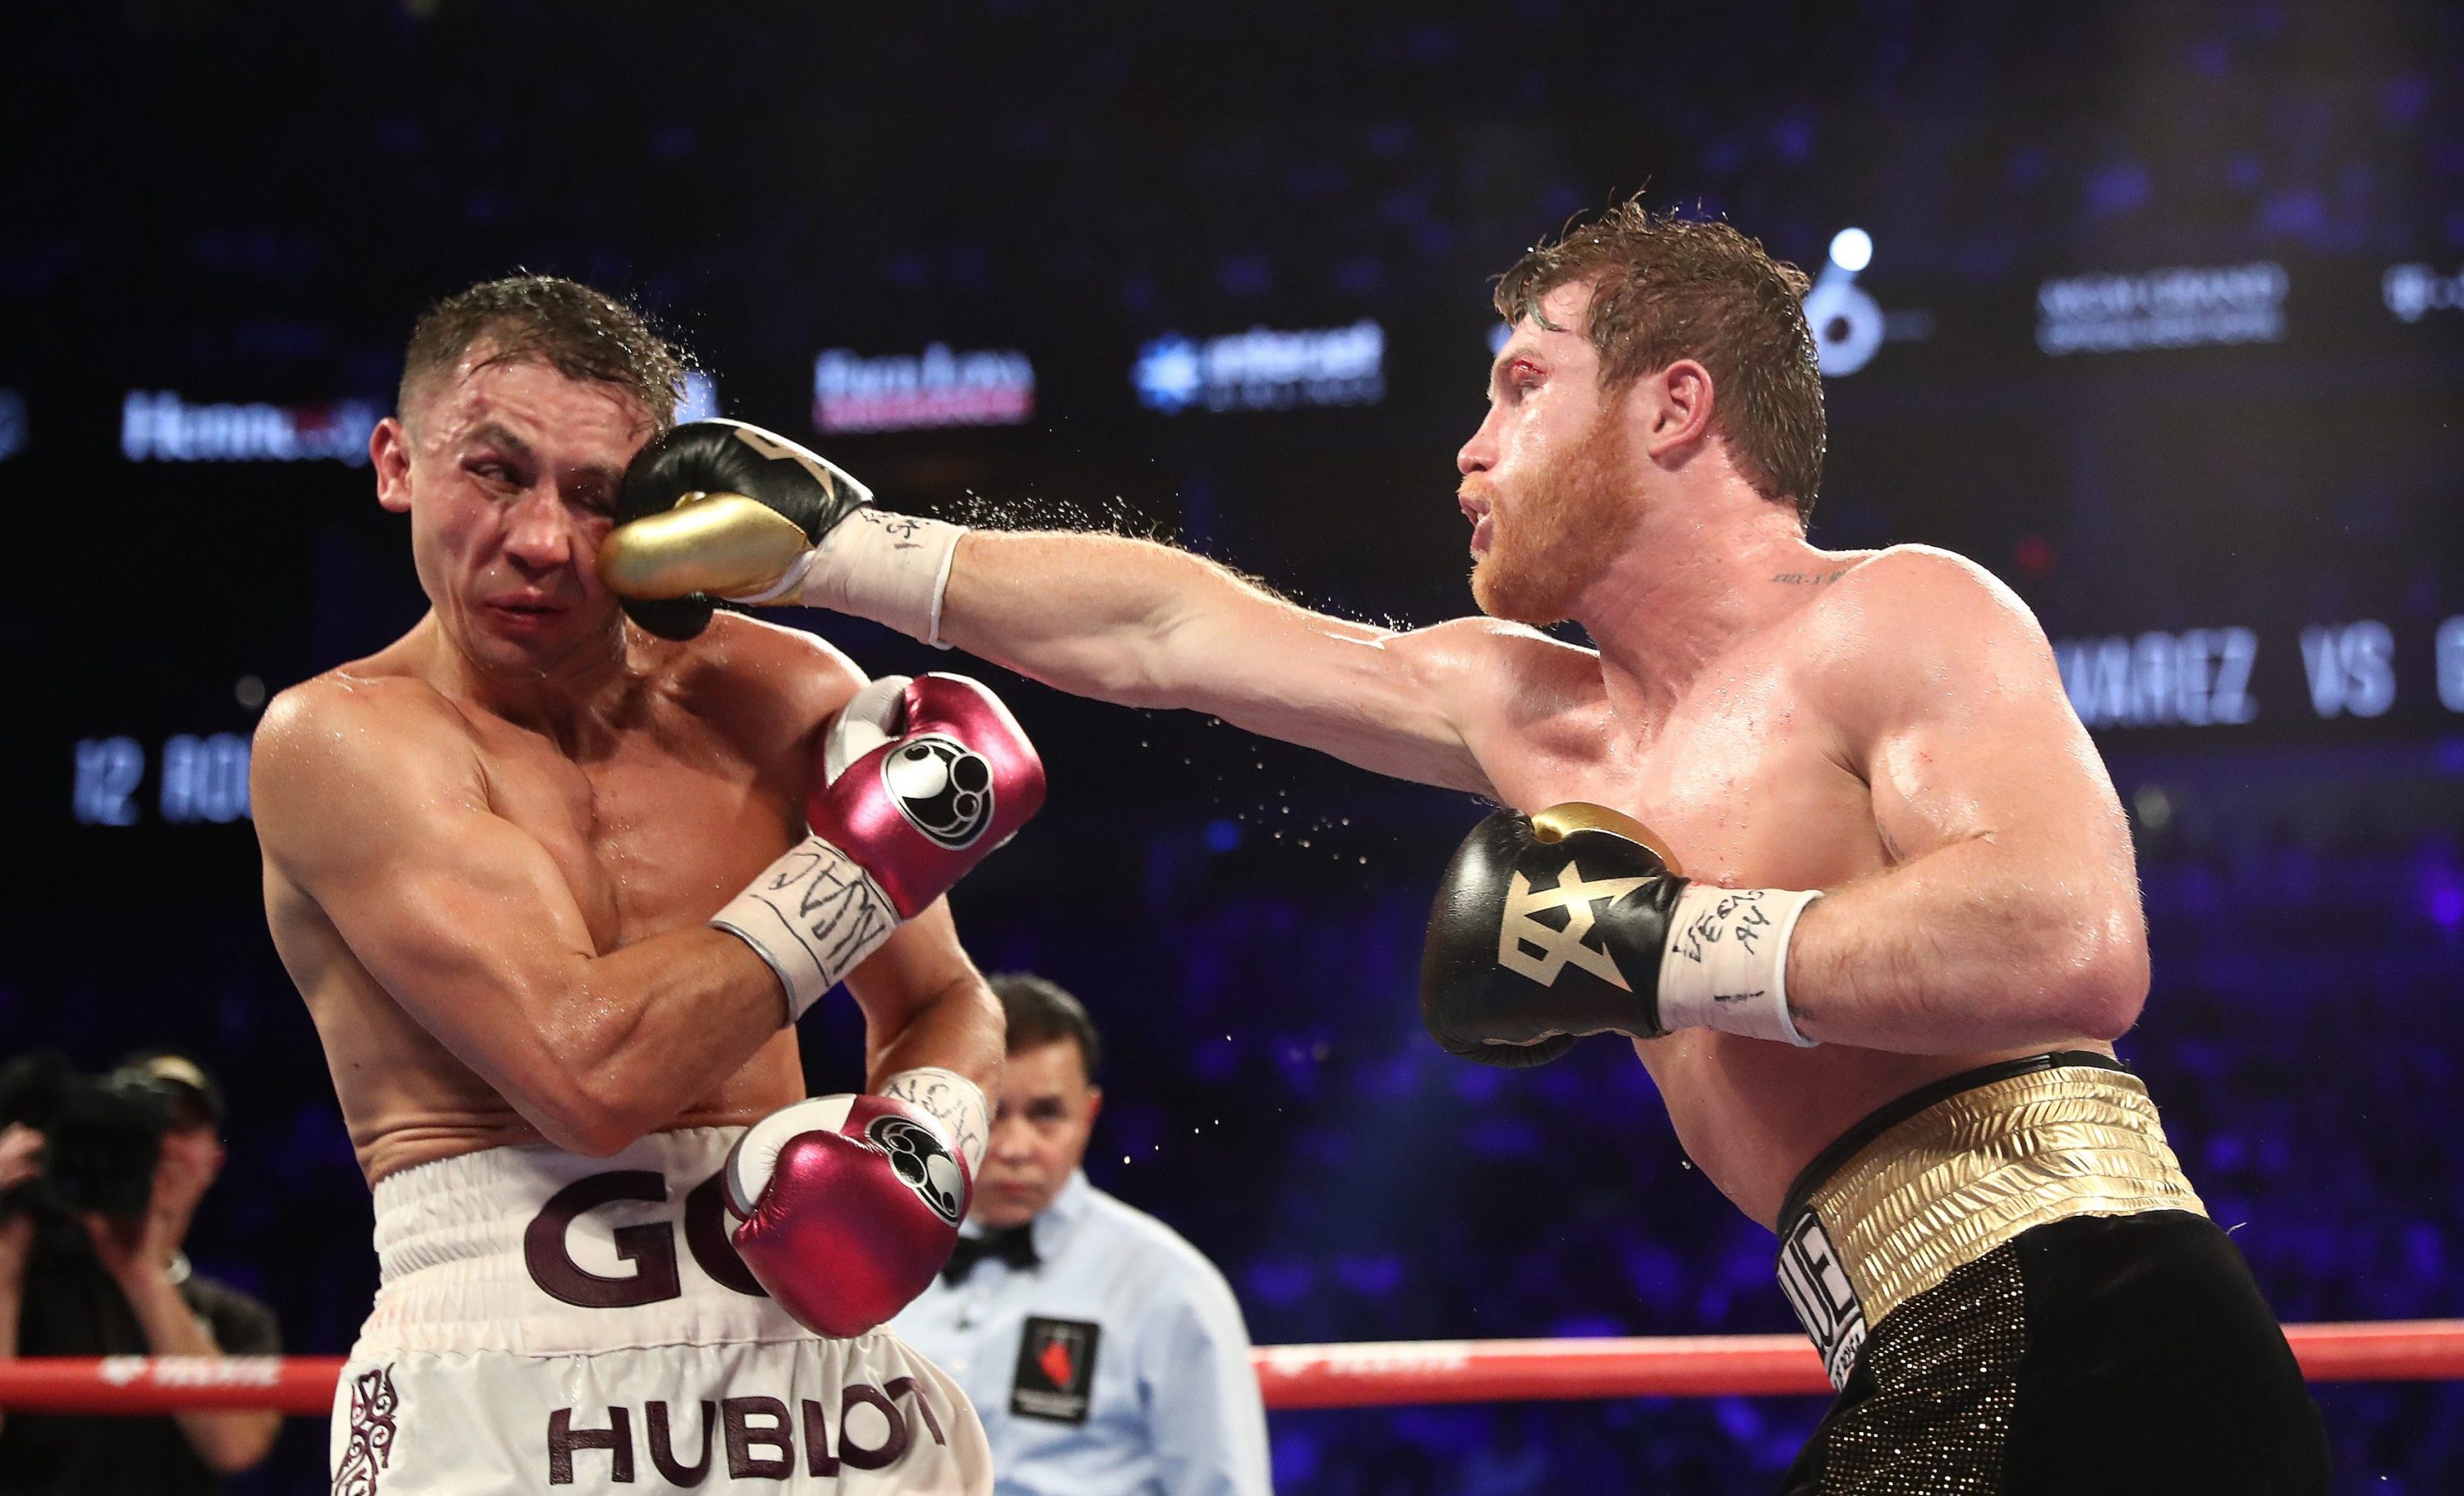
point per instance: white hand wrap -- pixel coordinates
(814, 917)
(954, 1101)
(890, 568)
(1727, 962)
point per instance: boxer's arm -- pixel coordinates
(2012, 917)
(925, 1005)
(1146, 624)
(382, 817)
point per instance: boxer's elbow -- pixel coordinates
(603, 1128)
(1135, 669)
(1182, 647)
(589, 1119)
(2098, 973)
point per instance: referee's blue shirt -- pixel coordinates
(1117, 1366)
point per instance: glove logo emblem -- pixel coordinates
(1559, 948)
(923, 1164)
(943, 787)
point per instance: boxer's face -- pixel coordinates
(1039, 1128)
(509, 472)
(1549, 479)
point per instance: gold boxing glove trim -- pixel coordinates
(1559, 822)
(719, 544)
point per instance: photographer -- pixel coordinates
(99, 1182)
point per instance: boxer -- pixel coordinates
(556, 891)
(1817, 829)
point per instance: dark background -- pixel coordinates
(249, 202)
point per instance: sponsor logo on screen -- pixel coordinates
(1262, 369)
(2412, 291)
(1846, 322)
(2187, 306)
(158, 425)
(904, 392)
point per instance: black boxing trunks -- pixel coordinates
(2016, 1291)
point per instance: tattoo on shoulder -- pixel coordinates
(1810, 578)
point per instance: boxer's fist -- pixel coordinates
(927, 776)
(919, 781)
(1547, 928)
(686, 533)
(844, 1207)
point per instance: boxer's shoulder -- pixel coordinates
(1914, 621)
(335, 733)
(347, 714)
(741, 664)
(1920, 575)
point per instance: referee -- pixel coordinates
(1105, 1355)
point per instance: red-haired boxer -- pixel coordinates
(1880, 1001)
(556, 891)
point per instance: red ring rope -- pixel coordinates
(1371, 1375)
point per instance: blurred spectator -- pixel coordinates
(1103, 1353)
(90, 1264)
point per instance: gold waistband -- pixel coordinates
(1950, 1184)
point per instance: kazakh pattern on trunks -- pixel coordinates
(371, 1444)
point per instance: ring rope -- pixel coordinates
(1374, 1373)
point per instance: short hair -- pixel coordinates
(1041, 1012)
(581, 333)
(1666, 288)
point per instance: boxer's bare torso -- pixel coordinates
(1888, 727)
(668, 788)
(1754, 782)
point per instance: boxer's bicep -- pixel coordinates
(461, 917)
(1956, 709)
(2007, 915)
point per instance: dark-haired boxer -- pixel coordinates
(1882, 1010)
(556, 891)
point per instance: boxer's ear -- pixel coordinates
(389, 453)
(1673, 408)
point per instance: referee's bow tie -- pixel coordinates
(1013, 1246)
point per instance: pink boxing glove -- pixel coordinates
(928, 774)
(845, 1207)
(919, 781)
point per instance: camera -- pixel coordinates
(102, 1136)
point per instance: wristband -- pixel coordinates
(1727, 962)
(890, 568)
(814, 915)
(952, 1100)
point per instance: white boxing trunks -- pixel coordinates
(549, 1321)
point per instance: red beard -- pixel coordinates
(1550, 541)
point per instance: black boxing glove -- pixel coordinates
(721, 510)
(1547, 928)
